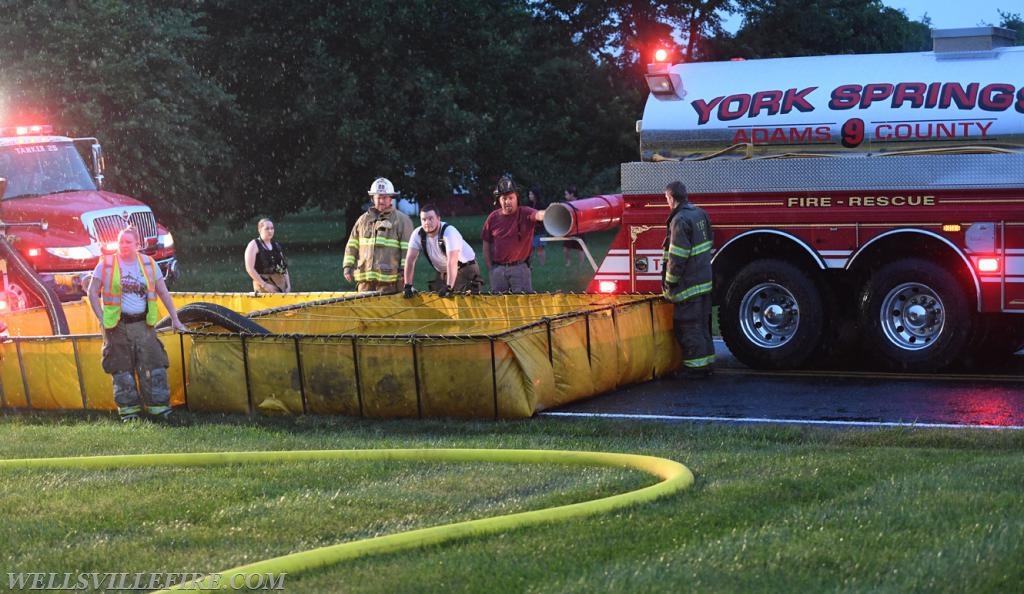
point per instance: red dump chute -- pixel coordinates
(563, 219)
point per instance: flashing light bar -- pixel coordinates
(33, 252)
(606, 286)
(660, 54)
(26, 130)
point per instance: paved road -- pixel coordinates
(737, 393)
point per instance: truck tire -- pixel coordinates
(916, 316)
(26, 283)
(772, 316)
(18, 297)
(218, 315)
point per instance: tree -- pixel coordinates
(782, 28)
(624, 33)
(125, 73)
(432, 95)
(1012, 20)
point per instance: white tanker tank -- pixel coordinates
(968, 91)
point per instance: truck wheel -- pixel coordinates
(772, 316)
(916, 316)
(18, 298)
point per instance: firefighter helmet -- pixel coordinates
(505, 186)
(382, 185)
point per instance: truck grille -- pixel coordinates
(108, 227)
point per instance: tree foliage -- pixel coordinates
(1012, 20)
(782, 28)
(433, 95)
(215, 109)
(124, 72)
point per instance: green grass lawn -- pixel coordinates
(314, 243)
(773, 509)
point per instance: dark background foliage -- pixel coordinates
(226, 109)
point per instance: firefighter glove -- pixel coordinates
(445, 291)
(409, 292)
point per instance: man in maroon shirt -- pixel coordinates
(508, 240)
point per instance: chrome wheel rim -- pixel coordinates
(912, 316)
(769, 315)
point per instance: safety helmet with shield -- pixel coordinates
(382, 185)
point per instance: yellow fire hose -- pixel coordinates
(674, 477)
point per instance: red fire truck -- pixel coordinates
(867, 200)
(58, 218)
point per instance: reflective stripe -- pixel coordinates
(374, 276)
(700, 248)
(678, 251)
(700, 361)
(159, 410)
(129, 410)
(381, 241)
(690, 292)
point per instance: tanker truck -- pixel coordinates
(862, 204)
(57, 220)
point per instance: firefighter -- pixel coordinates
(508, 240)
(452, 258)
(123, 293)
(686, 280)
(379, 239)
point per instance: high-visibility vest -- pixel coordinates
(111, 289)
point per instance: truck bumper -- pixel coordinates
(72, 286)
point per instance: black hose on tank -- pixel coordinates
(21, 270)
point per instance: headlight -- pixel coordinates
(84, 252)
(167, 241)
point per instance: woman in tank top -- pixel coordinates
(265, 262)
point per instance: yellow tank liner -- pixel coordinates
(481, 356)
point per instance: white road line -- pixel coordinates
(645, 417)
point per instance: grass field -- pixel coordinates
(773, 509)
(314, 243)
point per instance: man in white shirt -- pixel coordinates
(449, 254)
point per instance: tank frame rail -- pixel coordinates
(595, 344)
(582, 244)
(851, 172)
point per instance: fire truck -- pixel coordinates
(868, 202)
(57, 220)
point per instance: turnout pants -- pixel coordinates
(691, 324)
(130, 350)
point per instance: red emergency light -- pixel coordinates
(988, 264)
(660, 79)
(26, 130)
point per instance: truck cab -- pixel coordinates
(55, 213)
